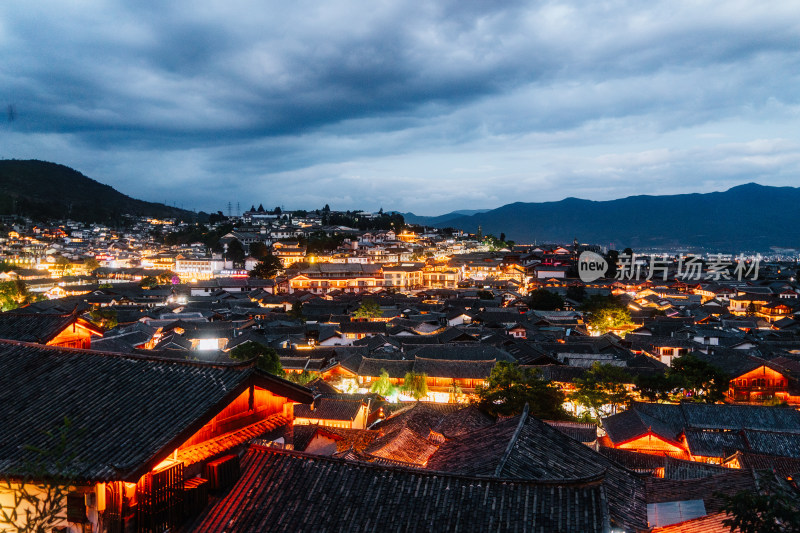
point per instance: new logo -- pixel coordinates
(591, 266)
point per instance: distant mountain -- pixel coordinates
(45, 190)
(746, 217)
(422, 220)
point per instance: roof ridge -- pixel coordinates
(418, 358)
(513, 441)
(585, 480)
(132, 355)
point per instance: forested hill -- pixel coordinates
(43, 190)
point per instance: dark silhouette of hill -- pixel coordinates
(746, 217)
(439, 220)
(43, 190)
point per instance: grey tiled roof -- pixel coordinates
(527, 448)
(129, 411)
(33, 327)
(286, 491)
(329, 409)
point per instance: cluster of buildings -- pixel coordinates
(151, 425)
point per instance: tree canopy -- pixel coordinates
(257, 249)
(544, 300)
(606, 313)
(415, 385)
(296, 312)
(382, 385)
(267, 268)
(92, 264)
(104, 318)
(369, 308)
(266, 358)
(576, 292)
(601, 389)
(774, 508)
(510, 387)
(148, 282)
(235, 252)
(15, 294)
(700, 380)
(689, 377)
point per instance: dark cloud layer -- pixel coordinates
(458, 104)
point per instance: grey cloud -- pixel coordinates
(238, 96)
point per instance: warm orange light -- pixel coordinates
(166, 463)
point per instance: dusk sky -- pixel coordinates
(411, 106)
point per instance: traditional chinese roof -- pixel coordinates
(634, 423)
(524, 447)
(441, 368)
(329, 409)
(670, 420)
(580, 431)
(373, 367)
(404, 446)
(128, 412)
(40, 328)
(374, 328)
(711, 523)
(712, 443)
(709, 489)
(288, 491)
(461, 352)
(463, 421)
(421, 417)
(226, 441)
(786, 466)
(672, 468)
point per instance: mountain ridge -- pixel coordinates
(45, 190)
(749, 216)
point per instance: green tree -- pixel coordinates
(382, 385)
(65, 264)
(301, 378)
(14, 293)
(258, 250)
(92, 264)
(266, 358)
(702, 380)
(657, 387)
(235, 252)
(148, 282)
(485, 295)
(165, 278)
(104, 318)
(510, 387)
(369, 308)
(775, 508)
(454, 391)
(544, 300)
(601, 389)
(296, 313)
(267, 268)
(415, 385)
(606, 313)
(576, 292)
